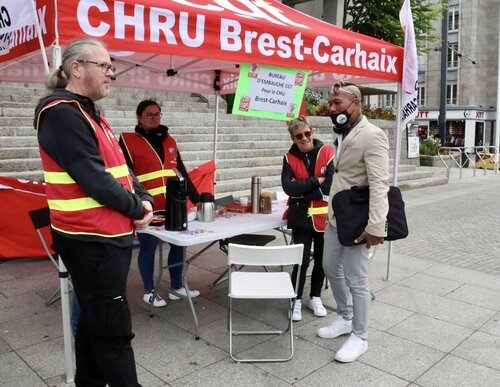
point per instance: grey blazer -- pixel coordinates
(364, 160)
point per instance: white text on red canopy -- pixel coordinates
(188, 29)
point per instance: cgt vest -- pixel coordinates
(150, 170)
(318, 209)
(72, 211)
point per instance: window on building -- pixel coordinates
(453, 19)
(421, 95)
(453, 55)
(388, 100)
(451, 93)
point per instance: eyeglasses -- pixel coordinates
(341, 87)
(153, 115)
(105, 67)
(300, 136)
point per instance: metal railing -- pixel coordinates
(461, 157)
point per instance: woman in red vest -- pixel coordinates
(151, 152)
(306, 178)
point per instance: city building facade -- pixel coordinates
(471, 75)
(471, 69)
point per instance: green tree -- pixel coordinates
(380, 19)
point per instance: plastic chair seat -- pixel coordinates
(266, 285)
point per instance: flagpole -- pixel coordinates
(497, 123)
(397, 154)
(407, 95)
(40, 38)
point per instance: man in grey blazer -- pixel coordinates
(362, 159)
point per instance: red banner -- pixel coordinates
(18, 237)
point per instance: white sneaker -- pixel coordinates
(317, 306)
(353, 348)
(297, 311)
(182, 291)
(337, 328)
(158, 301)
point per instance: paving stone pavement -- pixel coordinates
(458, 224)
(435, 322)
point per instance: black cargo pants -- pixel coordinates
(103, 347)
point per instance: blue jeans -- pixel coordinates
(146, 262)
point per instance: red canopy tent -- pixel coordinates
(196, 45)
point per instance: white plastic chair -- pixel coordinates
(263, 285)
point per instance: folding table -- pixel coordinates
(226, 226)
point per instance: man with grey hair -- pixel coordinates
(361, 159)
(95, 205)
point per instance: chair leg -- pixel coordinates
(223, 277)
(289, 330)
(54, 297)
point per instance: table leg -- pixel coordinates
(188, 293)
(185, 266)
(159, 276)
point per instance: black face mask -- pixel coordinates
(340, 121)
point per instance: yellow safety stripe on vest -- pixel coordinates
(64, 178)
(157, 191)
(155, 175)
(58, 178)
(73, 204)
(317, 211)
(118, 171)
(91, 233)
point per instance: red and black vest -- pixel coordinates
(72, 211)
(318, 209)
(150, 170)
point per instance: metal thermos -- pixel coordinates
(205, 209)
(255, 194)
(176, 211)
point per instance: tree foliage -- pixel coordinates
(380, 19)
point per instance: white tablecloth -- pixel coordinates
(227, 226)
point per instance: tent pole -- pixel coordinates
(216, 128)
(397, 153)
(497, 122)
(65, 309)
(40, 39)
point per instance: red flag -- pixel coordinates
(203, 179)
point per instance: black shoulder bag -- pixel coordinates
(351, 213)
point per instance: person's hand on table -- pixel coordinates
(140, 224)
